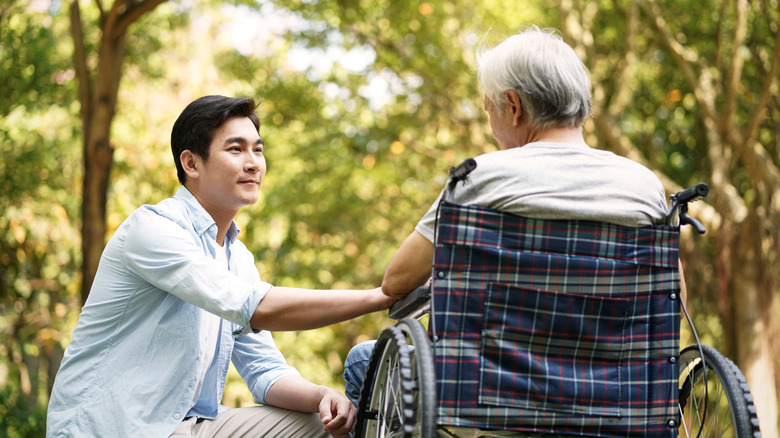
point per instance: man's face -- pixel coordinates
(231, 177)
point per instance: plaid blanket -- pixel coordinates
(561, 327)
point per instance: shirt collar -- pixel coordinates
(201, 219)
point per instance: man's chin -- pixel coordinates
(249, 200)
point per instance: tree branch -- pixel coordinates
(718, 61)
(726, 198)
(109, 21)
(572, 28)
(770, 81)
(133, 13)
(752, 153)
(80, 62)
(607, 114)
(101, 11)
(623, 95)
(685, 59)
(734, 71)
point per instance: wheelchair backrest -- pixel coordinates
(555, 326)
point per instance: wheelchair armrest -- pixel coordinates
(413, 305)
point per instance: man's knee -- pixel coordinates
(355, 369)
(360, 353)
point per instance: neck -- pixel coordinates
(222, 232)
(570, 135)
(222, 218)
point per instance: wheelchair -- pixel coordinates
(550, 328)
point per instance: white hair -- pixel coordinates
(550, 79)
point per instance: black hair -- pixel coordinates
(195, 127)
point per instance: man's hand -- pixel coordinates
(294, 392)
(337, 413)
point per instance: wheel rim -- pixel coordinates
(392, 401)
(423, 376)
(718, 421)
(727, 400)
(398, 398)
(390, 415)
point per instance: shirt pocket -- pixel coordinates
(550, 351)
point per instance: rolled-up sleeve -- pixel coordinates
(427, 224)
(260, 363)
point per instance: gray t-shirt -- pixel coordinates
(561, 181)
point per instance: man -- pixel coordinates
(537, 96)
(177, 296)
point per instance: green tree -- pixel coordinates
(38, 243)
(104, 35)
(695, 97)
(367, 103)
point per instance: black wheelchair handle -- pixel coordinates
(685, 219)
(679, 206)
(692, 193)
(461, 171)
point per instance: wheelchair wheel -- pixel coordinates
(399, 394)
(424, 376)
(729, 405)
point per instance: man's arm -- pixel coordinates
(410, 266)
(289, 308)
(292, 392)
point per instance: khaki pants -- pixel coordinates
(255, 421)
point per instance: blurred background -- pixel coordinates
(367, 104)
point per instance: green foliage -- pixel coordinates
(33, 67)
(39, 258)
(367, 103)
(39, 170)
(19, 418)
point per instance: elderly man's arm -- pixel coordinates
(410, 266)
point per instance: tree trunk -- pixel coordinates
(750, 299)
(98, 155)
(98, 98)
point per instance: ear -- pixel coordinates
(514, 106)
(191, 163)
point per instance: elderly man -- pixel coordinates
(537, 96)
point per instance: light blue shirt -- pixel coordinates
(132, 366)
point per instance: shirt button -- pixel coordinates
(196, 378)
(176, 415)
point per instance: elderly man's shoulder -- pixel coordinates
(537, 153)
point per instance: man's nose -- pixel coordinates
(252, 163)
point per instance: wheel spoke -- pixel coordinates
(390, 396)
(401, 401)
(397, 401)
(719, 408)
